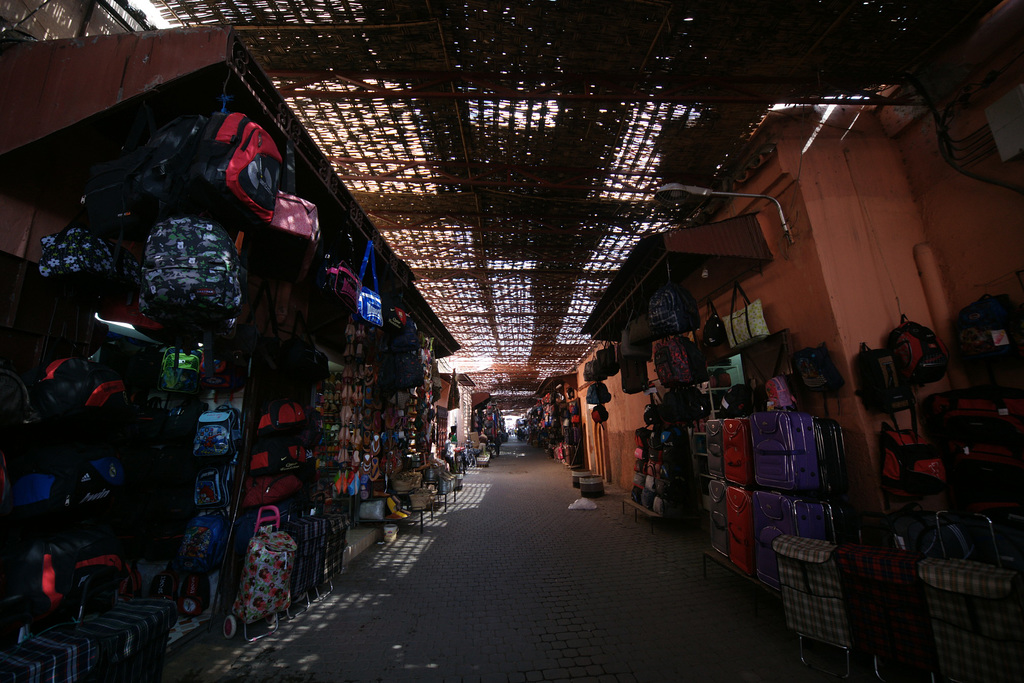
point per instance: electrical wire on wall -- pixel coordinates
(971, 148)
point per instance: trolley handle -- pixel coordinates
(272, 513)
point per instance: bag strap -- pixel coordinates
(300, 321)
(288, 169)
(369, 256)
(712, 311)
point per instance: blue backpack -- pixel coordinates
(816, 369)
(202, 547)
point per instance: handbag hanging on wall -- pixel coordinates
(746, 325)
(370, 308)
(714, 329)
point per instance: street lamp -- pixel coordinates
(674, 194)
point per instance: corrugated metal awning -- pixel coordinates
(735, 246)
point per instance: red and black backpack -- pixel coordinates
(920, 355)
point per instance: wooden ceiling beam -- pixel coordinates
(699, 91)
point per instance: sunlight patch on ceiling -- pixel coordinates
(611, 252)
(448, 248)
(636, 151)
(520, 115)
(367, 131)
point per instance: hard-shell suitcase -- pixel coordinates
(740, 518)
(773, 516)
(886, 604)
(719, 517)
(785, 455)
(811, 519)
(713, 430)
(843, 523)
(264, 589)
(738, 451)
(977, 615)
(828, 440)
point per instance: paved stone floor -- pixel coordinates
(510, 585)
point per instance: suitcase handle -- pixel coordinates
(272, 513)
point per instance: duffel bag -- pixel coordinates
(51, 570)
(276, 454)
(77, 388)
(75, 479)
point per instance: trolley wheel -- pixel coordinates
(230, 627)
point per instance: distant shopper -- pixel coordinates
(453, 436)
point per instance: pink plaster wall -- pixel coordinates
(881, 226)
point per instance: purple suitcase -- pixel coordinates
(785, 455)
(811, 519)
(715, 440)
(773, 516)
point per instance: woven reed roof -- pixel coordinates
(508, 151)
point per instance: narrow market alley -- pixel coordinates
(511, 585)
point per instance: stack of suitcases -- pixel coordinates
(777, 473)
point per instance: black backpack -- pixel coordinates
(881, 385)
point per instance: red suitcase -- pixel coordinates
(738, 451)
(740, 517)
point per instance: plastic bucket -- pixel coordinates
(390, 532)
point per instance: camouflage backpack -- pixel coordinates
(192, 276)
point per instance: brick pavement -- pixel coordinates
(509, 585)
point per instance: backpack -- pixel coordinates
(15, 404)
(598, 393)
(633, 373)
(920, 355)
(605, 362)
(881, 384)
(679, 362)
(816, 369)
(276, 455)
(203, 546)
(738, 401)
(179, 372)
(673, 310)
(982, 327)
(218, 433)
(191, 275)
(212, 484)
(910, 465)
(237, 170)
(125, 196)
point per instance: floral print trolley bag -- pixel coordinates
(266, 575)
